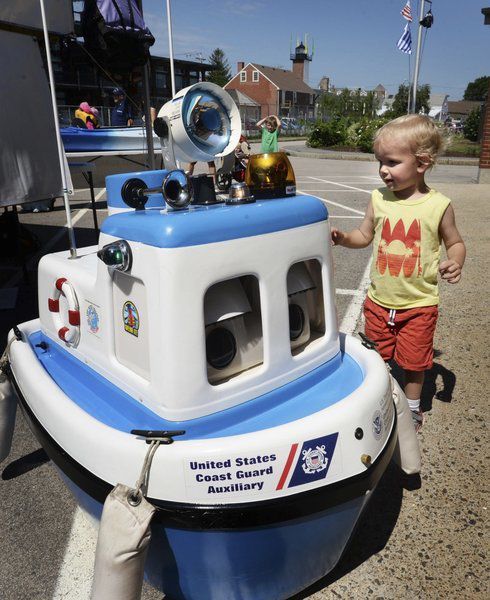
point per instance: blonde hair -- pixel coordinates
(419, 132)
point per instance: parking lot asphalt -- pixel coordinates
(417, 538)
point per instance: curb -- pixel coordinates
(363, 156)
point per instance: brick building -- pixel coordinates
(278, 91)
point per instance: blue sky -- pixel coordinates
(354, 40)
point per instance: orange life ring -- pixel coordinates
(68, 332)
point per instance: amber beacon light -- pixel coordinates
(270, 176)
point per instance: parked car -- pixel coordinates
(290, 125)
(250, 124)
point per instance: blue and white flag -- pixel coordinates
(405, 42)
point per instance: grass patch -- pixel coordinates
(459, 146)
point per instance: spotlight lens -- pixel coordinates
(296, 321)
(220, 348)
(206, 120)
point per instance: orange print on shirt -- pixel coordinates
(399, 251)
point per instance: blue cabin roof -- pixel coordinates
(216, 223)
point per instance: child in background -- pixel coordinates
(406, 221)
(270, 133)
(95, 117)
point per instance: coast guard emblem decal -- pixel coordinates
(314, 459)
(311, 463)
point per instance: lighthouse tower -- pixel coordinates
(301, 59)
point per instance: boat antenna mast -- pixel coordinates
(61, 151)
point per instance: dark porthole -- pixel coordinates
(296, 321)
(220, 348)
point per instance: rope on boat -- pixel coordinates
(136, 496)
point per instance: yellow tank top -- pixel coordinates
(406, 249)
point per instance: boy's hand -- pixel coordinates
(337, 236)
(450, 270)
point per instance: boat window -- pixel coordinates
(306, 311)
(233, 328)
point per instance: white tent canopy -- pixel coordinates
(29, 167)
(29, 160)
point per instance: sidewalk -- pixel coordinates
(299, 148)
(432, 544)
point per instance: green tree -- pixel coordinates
(478, 89)
(400, 102)
(471, 125)
(222, 74)
(347, 103)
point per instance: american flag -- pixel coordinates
(407, 12)
(405, 42)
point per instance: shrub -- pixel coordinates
(471, 126)
(332, 133)
(361, 133)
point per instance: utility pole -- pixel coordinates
(417, 58)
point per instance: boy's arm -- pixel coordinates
(450, 269)
(278, 121)
(261, 122)
(357, 238)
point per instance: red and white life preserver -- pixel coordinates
(68, 332)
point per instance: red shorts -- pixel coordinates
(410, 341)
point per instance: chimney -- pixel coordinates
(239, 66)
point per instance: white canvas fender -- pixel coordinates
(8, 409)
(122, 545)
(407, 451)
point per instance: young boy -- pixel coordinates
(406, 221)
(270, 132)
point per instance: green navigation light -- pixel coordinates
(116, 255)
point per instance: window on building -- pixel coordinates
(243, 76)
(160, 78)
(179, 79)
(295, 97)
(255, 76)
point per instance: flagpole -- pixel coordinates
(417, 58)
(171, 48)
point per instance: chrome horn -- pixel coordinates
(177, 189)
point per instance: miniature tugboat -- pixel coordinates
(215, 323)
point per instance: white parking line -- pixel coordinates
(341, 185)
(345, 216)
(77, 569)
(337, 191)
(354, 309)
(354, 210)
(344, 292)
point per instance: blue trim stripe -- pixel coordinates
(322, 387)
